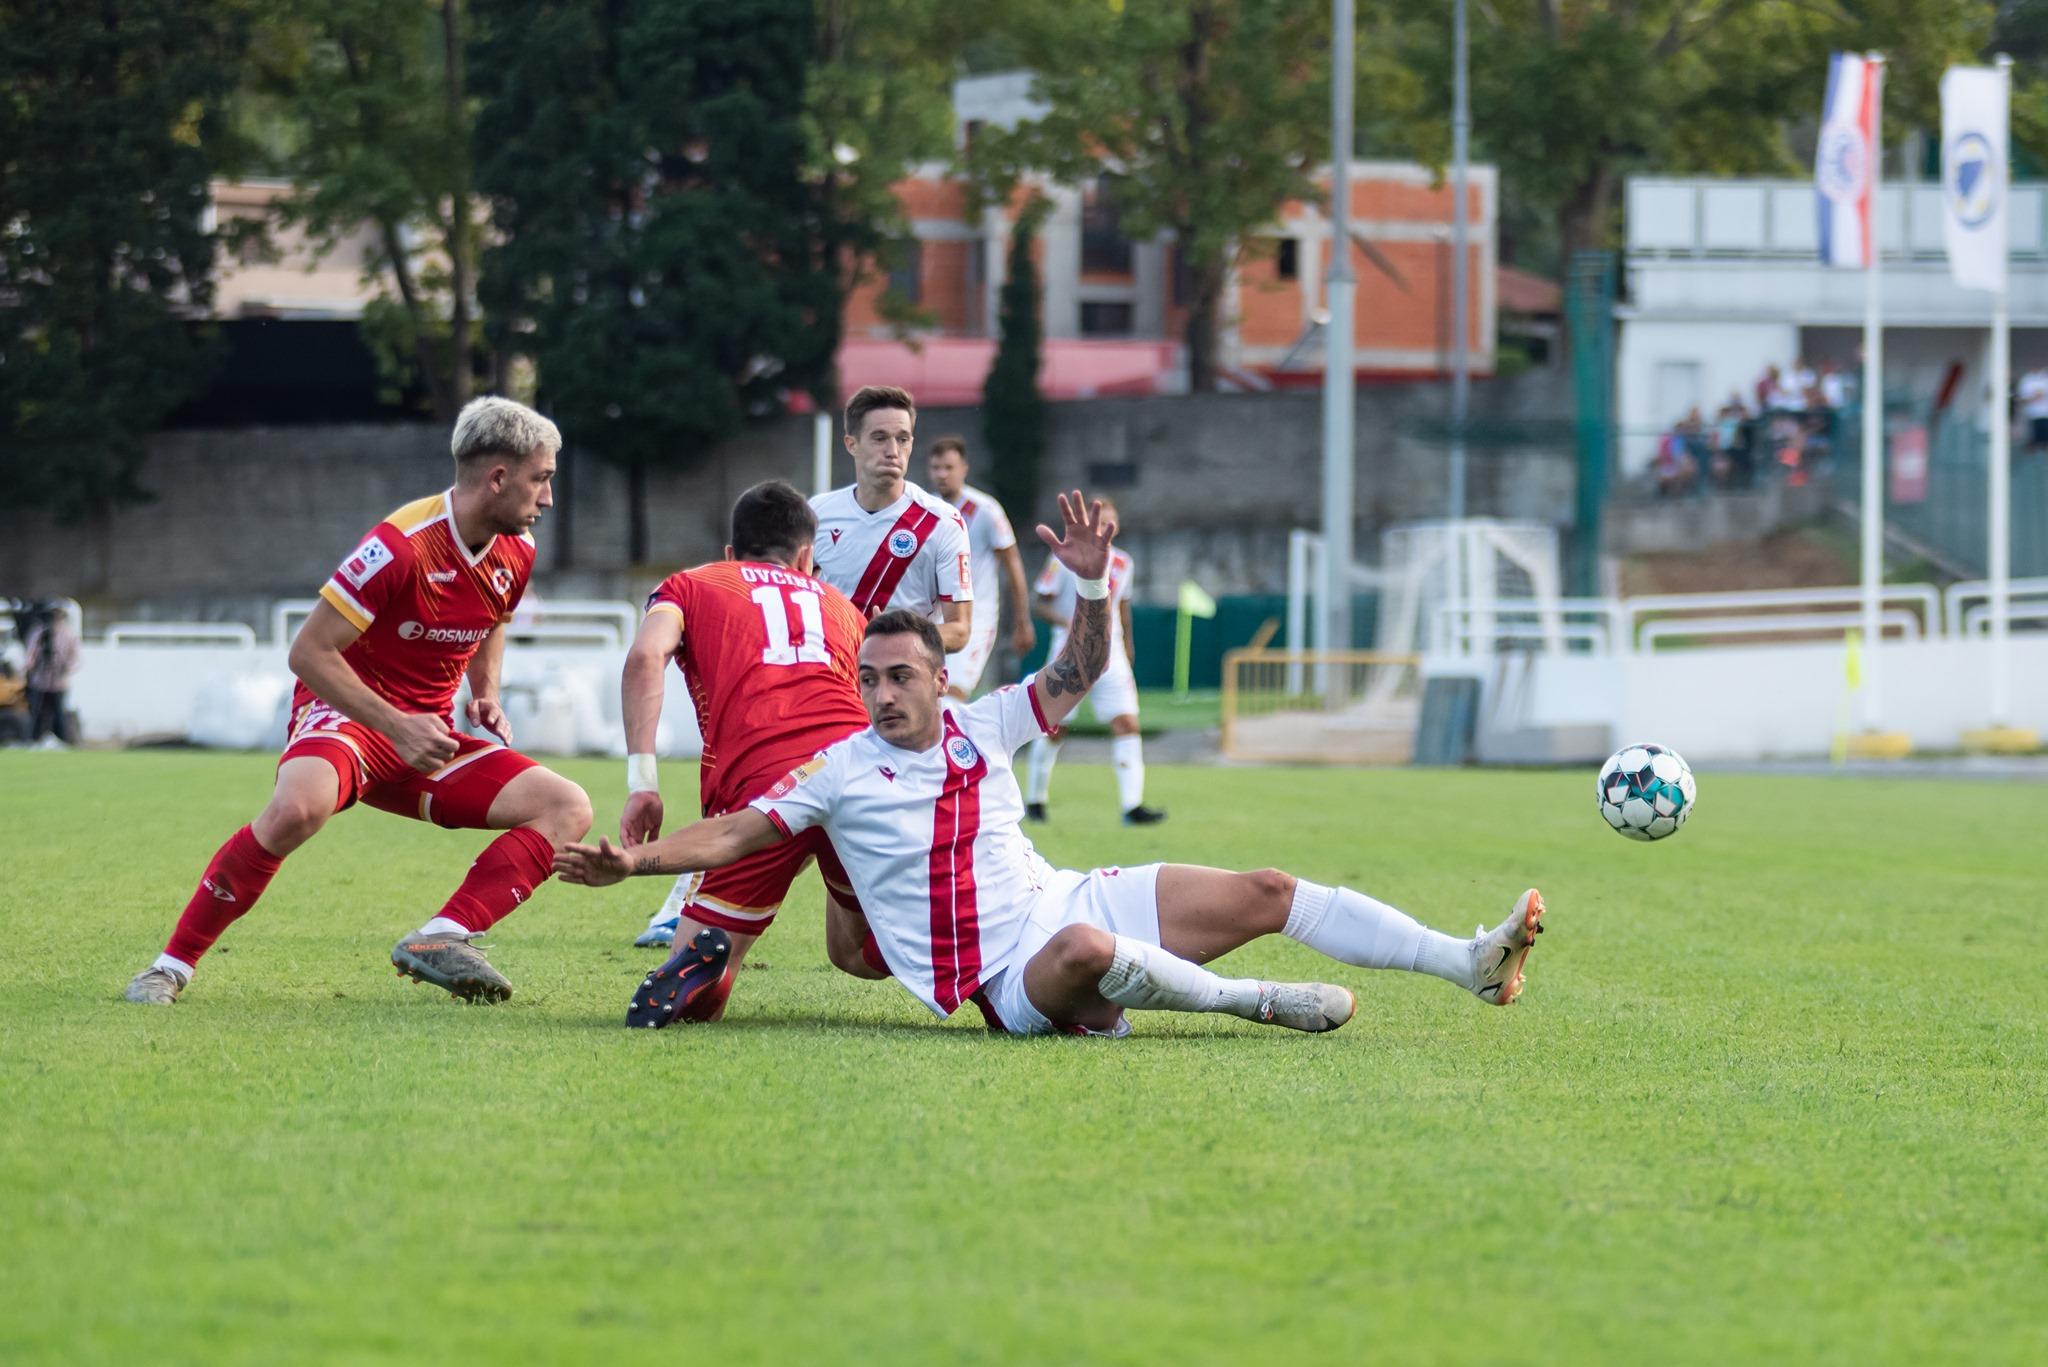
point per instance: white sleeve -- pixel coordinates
(951, 560)
(806, 795)
(1010, 713)
(1001, 535)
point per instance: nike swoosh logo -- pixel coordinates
(1505, 950)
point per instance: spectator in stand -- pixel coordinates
(1766, 386)
(1802, 381)
(1675, 469)
(2033, 396)
(1734, 455)
(52, 664)
(1834, 387)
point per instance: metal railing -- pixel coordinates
(1365, 713)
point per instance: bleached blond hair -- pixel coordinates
(492, 426)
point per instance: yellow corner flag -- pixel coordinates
(1194, 602)
(1852, 663)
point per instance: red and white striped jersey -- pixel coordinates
(933, 841)
(988, 532)
(912, 554)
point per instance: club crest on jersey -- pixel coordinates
(371, 556)
(501, 580)
(961, 751)
(786, 785)
(902, 544)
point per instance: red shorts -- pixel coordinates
(457, 795)
(742, 898)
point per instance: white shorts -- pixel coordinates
(1121, 901)
(965, 665)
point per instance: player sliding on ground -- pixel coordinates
(422, 601)
(924, 810)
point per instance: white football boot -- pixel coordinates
(1498, 954)
(1314, 1007)
(155, 986)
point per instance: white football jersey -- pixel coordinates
(933, 841)
(1057, 582)
(988, 531)
(912, 554)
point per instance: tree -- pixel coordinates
(380, 134)
(1209, 113)
(1013, 410)
(113, 118)
(657, 237)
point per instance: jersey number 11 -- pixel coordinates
(809, 647)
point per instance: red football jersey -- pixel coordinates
(424, 604)
(771, 660)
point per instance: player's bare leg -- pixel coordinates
(307, 791)
(1206, 913)
(539, 811)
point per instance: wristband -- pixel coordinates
(1093, 588)
(640, 775)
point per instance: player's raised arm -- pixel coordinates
(709, 844)
(640, 699)
(1082, 545)
(422, 741)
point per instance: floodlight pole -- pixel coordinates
(1339, 381)
(1461, 361)
(821, 453)
(1873, 415)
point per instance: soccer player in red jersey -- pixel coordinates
(769, 654)
(420, 603)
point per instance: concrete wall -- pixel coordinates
(1209, 486)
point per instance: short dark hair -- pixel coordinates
(904, 622)
(869, 397)
(949, 443)
(772, 521)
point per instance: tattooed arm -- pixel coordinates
(709, 844)
(1083, 547)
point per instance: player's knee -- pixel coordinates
(1079, 954)
(290, 821)
(1126, 725)
(569, 813)
(1271, 891)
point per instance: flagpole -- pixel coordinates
(1873, 409)
(2001, 438)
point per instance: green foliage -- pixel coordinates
(1209, 112)
(1012, 409)
(376, 131)
(1773, 1095)
(111, 121)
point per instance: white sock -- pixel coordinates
(1355, 929)
(441, 925)
(1044, 753)
(177, 966)
(1127, 753)
(1145, 977)
(678, 898)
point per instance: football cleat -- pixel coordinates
(1141, 815)
(1035, 811)
(659, 934)
(1498, 954)
(449, 961)
(1314, 1007)
(691, 986)
(154, 986)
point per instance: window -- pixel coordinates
(906, 270)
(1287, 264)
(1100, 318)
(1103, 248)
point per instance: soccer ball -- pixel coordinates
(1646, 791)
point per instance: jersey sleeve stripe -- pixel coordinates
(1030, 687)
(664, 606)
(774, 819)
(344, 603)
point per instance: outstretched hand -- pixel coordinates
(594, 866)
(1082, 544)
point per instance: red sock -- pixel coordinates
(502, 877)
(240, 871)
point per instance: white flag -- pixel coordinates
(1973, 175)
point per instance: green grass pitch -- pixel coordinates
(1778, 1091)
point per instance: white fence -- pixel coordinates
(218, 684)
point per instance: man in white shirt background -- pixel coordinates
(992, 550)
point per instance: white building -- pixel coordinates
(1724, 278)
